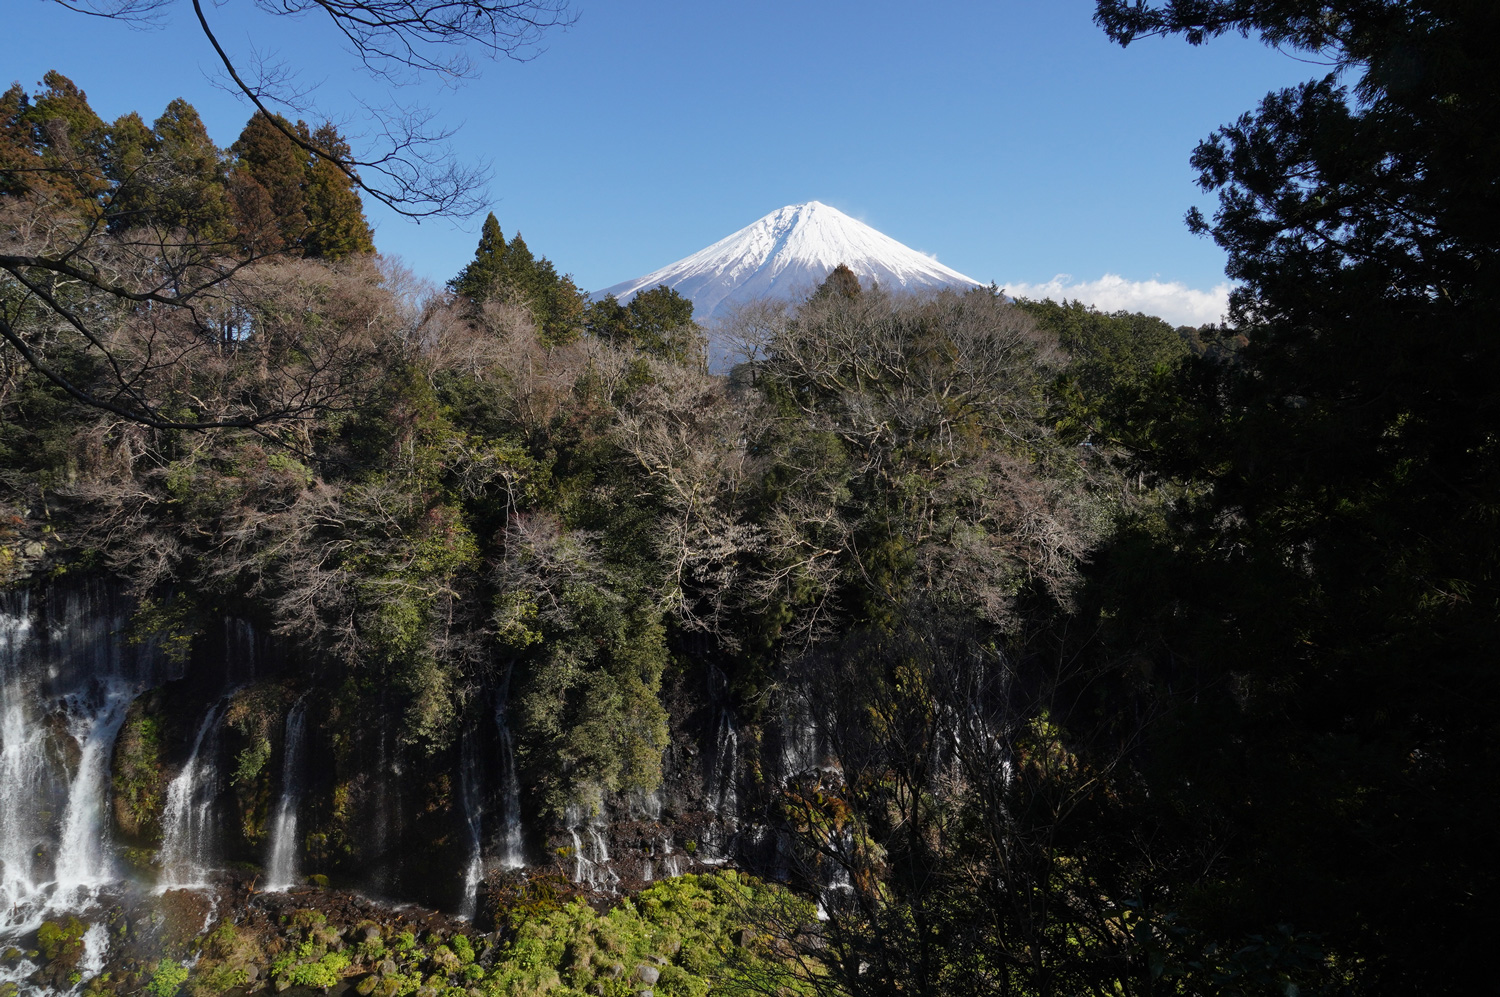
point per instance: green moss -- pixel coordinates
(139, 788)
(61, 940)
(323, 973)
(218, 979)
(685, 927)
(308, 918)
(167, 978)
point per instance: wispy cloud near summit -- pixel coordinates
(1172, 300)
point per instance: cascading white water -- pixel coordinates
(23, 769)
(282, 864)
(804, 746)
(722, 794)
(580, 860)
(837, 888)
(591, 862)
(187, 818)
(95, 952)
(85, 859)
(468, 787)
(671, 861)
(512, 849)
(66, 685)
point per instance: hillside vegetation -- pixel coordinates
(1148, 660)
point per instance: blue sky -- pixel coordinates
(1010, 139)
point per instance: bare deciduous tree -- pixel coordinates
(137, 302)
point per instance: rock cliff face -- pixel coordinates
(235, 765)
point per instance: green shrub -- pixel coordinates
(167, 979)
(322, 974)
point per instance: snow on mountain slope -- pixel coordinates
(788, 253)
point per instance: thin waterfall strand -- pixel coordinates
(282, 866)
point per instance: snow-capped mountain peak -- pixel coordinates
(788, 253)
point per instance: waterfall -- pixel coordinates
(836, 891)
(671, 862)
(721, 794)
(187, 819)
(591, 862)
(95, 951)
(23, 768)
(469, 796)
(281, 866)
(66, 685)
(85, 860)
(804, 748)
(512, 851)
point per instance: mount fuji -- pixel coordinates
(788, 253)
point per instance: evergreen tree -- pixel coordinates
(1328, 592)
(658, 322)
(609, 320)
(270, 171)
(16, 152)
(289, 198)
(509, 271)
(195, 196)
(840, 281)
(336, 222)
(171, 177)
(53, 144)
(477, 280)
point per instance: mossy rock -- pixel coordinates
(61, 941)
(138, 781)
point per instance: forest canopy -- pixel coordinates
(1149, 659)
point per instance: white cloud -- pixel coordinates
(1173, 301)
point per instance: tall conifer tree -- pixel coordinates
(269, 173)
(478, 280)
(336, 221)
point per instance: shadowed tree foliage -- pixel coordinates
(1327, 589)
